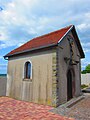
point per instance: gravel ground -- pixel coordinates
(79, 111)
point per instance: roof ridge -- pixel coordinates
(41, 36)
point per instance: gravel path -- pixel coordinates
(81, 110)
(78, 111)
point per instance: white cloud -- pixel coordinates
(87, 44)
(83, 26)
(84, 63)
(87, 16)
(22, 20)
(86, 47)
(86, 50)
(18, 23)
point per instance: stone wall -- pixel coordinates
(64, 66)
(39, 89)
(85, 79)
(3, 81)
(54, 80)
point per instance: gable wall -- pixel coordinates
(62, 52)
(39, 89)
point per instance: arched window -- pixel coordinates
(28, 70)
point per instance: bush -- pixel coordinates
(84, 72)
(87, 69)
(83, 86)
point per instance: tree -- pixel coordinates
(87, 69)
(83, 72)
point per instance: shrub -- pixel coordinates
(83, 86)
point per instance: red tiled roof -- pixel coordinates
(48, 39)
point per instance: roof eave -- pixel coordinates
(80, 47)
(33, 49)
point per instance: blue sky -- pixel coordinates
(21, 20)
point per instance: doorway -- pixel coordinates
(69, 85)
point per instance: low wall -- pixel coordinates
(3, 82)
(85, 79)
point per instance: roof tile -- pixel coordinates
(48, 39)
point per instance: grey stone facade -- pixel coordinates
(55, 74)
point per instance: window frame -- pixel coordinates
(25, 69)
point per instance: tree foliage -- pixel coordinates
(87, 69)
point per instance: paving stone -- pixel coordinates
(11, 109)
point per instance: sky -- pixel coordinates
(22, 20)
